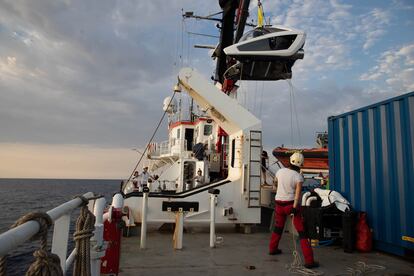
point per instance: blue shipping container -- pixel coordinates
(371, 163)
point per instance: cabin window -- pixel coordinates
(233, 151)
(254, 33)
(178, 133)
(208, 129)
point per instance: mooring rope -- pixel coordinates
(84, 231)
(45, 264)
(361, 269)
(296, 267)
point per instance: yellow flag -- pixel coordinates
(260, 15)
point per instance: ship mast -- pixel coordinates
(232, 28)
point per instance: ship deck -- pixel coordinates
(238, 254)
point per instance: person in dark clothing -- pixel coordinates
(264, 166)
(198, 150)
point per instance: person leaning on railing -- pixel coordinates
(199, 179)
(264, 161)
(135, 181)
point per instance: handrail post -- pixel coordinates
(97, 242)
(143, 243)
(213, 200)
(179, 229)
(60, 239)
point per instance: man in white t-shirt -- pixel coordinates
(289, 186)
(144, 178)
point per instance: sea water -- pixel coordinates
(21, 196)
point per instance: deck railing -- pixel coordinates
(60, 216)
(164, 148)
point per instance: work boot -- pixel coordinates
(276, 252)
(312, 265)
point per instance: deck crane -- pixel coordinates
(268, 52)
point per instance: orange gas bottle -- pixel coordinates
(363, 234)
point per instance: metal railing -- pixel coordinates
(269, 175)
(164, 148)
(60, 216)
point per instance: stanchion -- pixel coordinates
(179, 229)
(144, 211)
(180, 208)
(213, 200)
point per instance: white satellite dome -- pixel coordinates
(172, 108)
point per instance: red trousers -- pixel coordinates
(282, 210)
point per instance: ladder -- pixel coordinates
(255, 153)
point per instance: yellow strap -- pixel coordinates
(406, 238)
(259, 15)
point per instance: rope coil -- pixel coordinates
(45, 264)
(84, 231)
(296, 266)
(360, 268)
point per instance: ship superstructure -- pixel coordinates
(233, 166)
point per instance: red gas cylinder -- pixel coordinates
(363, 234)
(112, 235)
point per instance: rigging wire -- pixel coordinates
(291, 87)
(188, 42)
(177, 56)
(261, 101)
(255, 97)
(200, 34)
(182, 41)
(150, 140)
(291, 117)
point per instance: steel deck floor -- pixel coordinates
(239, 254)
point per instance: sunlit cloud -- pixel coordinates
(396, 68)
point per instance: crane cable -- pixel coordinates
(261, 101)
(293, 114)
(150, 140)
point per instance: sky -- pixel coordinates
(82, 82)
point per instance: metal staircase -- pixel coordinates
(255, 152)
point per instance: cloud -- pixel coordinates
(327, 25)
(90, 72)
(403, 4)
(372, 26)
(395, 68)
